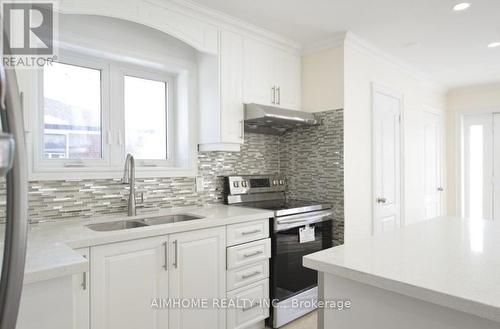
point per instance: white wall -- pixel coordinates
(473, 99)
(323, 80)
(361, 69)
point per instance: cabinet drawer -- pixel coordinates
(246, 232)
(241, 276)
(248, 253)
(252, 307)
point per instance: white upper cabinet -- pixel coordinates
(258, 76)
(221, 95)
(198, 270)
(272, 76)
(231, 81)
(287, 74)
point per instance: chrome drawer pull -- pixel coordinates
(250, 232)
(253, 254)
(165, 266)
(250, 307)
(246, 276)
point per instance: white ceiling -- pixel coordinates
(451, 47)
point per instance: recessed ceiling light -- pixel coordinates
(461, 6)
(494, 44)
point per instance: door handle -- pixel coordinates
(381, 200)
(440, 189)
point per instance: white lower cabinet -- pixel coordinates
(197, 270)
(129, 280)
(126, 276)
(81, 296)
(251, 308)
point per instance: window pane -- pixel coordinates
(72, 112)
(145, 118)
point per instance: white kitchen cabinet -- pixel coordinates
(197, 270)
(287, 70)
(47, 304)
(258, 73)
(81, 296)
(271, 75)
(221, 95)
(125, 277)
(254, 309)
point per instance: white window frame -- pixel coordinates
(112, 126)
(56, 165)
(119, 110)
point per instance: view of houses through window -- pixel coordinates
(72, 112)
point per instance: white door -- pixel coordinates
(478, 166)
(386, 159)
(496, 166)
(433, 188)
(198, 270)
(125, 278)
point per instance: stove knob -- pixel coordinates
(235, 184)
(244, 183)
(282, 182)
(275, 182)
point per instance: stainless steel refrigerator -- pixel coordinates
(13, 168)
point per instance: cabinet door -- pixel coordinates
(197, 270)
(287, 70)
(231, 79)
(81, 296)
(126, 277)
(258, 73)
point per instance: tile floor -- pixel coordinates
(308, 321)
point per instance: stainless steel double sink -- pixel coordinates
(128, 224)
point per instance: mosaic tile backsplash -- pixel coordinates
(312, 160)
(301, 155)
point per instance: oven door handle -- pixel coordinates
(287, 222)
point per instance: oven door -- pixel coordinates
(289, 277)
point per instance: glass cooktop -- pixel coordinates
(286, 207)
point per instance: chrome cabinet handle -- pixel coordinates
(84, 279)
(381, 200)
(440, 189)
(165, 246)
(273, 95)
(253, 254)
(175, 254)
(250, 232)
(250, 307)
(246, 276)
(278, 90)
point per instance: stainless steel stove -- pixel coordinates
(298, 228)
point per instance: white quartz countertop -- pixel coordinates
(447, 261)
(51, 245)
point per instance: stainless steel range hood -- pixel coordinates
(271, 120)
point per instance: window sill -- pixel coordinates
(107, 173)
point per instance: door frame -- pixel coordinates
(383, 89)
(442, 154)
(459, 129)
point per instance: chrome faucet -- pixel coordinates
(129, 178)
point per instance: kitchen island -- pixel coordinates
(439, 273)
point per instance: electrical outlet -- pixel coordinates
(199, 184)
